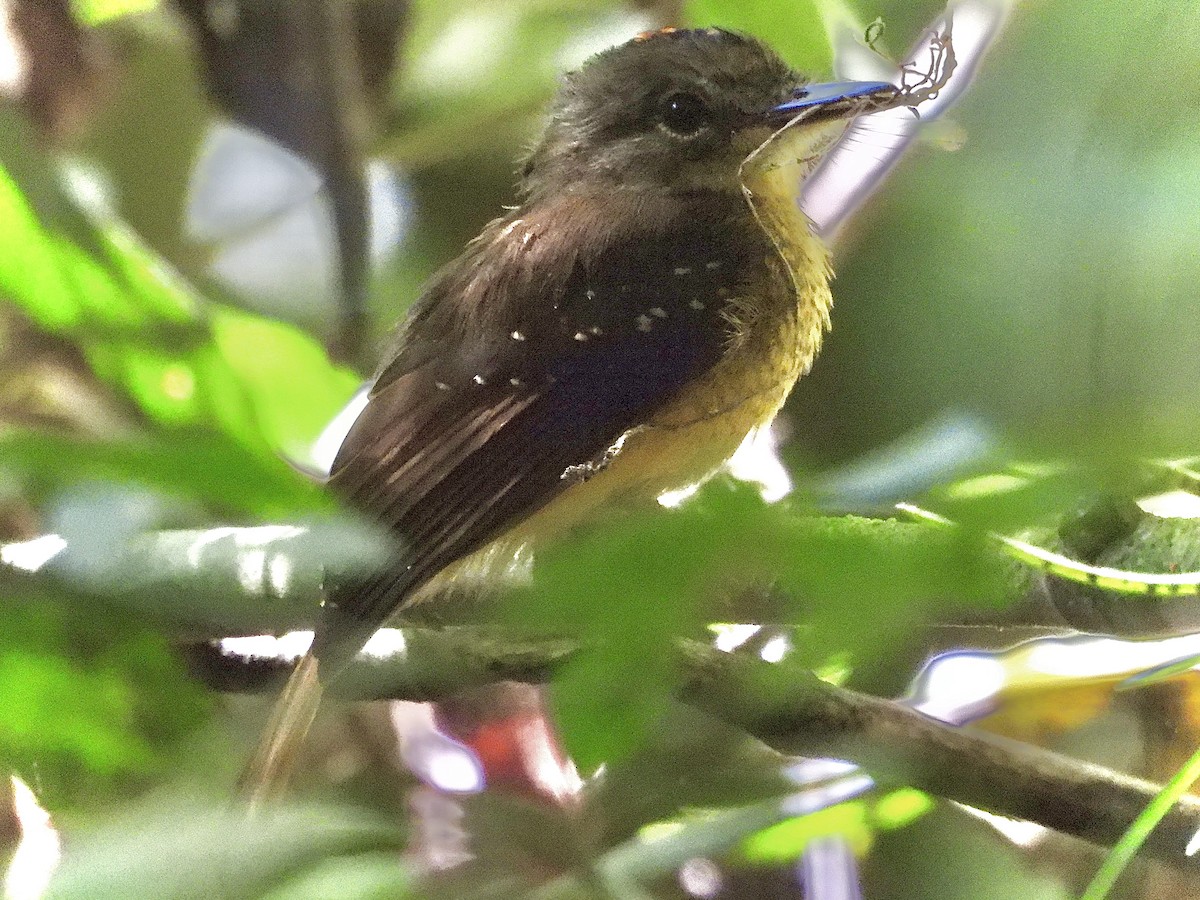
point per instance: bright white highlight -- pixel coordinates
(30, 556)
(813, 799)
(1193, 845)
(672, 499)
(1106, 657)
(730, 637)
(325, 448)
(1021, 833)
(818, 769)
(873, 144)
(429, 754)
(288, 647)
(252, 571)
(757, 461)
(959, 684)
(775, 649)
(243, 538)
(1172, 505)
(279, 573)
(455, 769)
(13, 64)
(547, 767)
(700, 877)
(385, 643)
(38, 853)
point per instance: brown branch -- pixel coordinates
(792, 711)
(782, 705)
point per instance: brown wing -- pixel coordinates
(535, 352)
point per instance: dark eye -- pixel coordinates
(684, 114)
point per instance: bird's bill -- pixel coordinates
(835, 100)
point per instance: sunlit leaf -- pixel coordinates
(785, 842)
(98, 12)
(898, 808)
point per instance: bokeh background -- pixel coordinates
(210, 217)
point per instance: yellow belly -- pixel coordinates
(685, 444)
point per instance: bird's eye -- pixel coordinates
(684, 114)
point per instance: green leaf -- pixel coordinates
(190, 852)
(94, 704)
(183, 361)
(364, 876)
(100, 12)
(193, 464)
(795, 28)
(1122, 854)
(785, 842)
(630, 590)
(900, 807)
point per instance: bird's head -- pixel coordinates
(680, 110)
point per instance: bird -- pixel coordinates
(649, 301)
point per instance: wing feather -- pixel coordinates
(521, 361)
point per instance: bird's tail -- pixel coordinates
(266, 774)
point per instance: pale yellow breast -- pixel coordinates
(777, 335)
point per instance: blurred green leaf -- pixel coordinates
(1018, 496)
(191, 852)
(664, 776)
(460, 94)
(193, 464)
(897, 808)
(795, 28)
(265, 384)
(856, 822)
(785, 841)
(633, 588)
(98, 12)
(1058, 303)
(93, 703)
(364, 876)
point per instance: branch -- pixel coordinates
(792, 711)
(782, 705)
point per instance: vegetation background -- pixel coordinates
(1014, 348)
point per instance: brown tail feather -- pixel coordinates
(267, 773)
